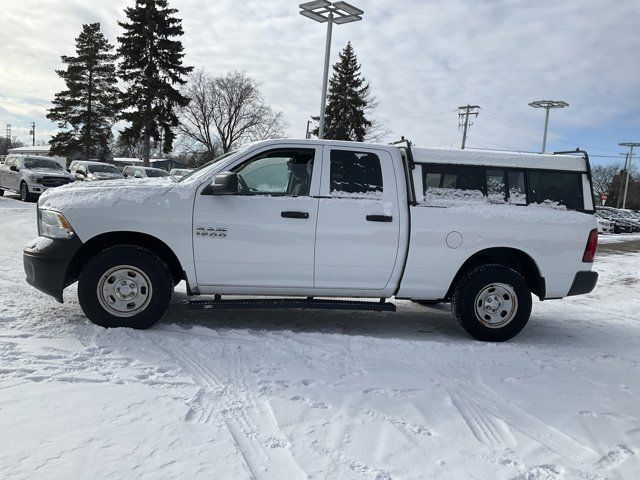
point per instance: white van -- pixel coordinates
(312, 220)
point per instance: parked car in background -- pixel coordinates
(91, 171)
(620, 224)
(604, 225)
(621, 216)
(144, 172)
(31, 175)
(180, 172)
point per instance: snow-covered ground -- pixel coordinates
(327, 395)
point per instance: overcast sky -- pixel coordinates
(423, 58)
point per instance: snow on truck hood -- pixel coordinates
(50, 172)
(104, 194)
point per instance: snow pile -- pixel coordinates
(371, 195)
(104, 193)
(481, 206)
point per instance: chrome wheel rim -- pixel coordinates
(124, 291)
(496, 305)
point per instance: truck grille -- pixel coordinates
(54, 181)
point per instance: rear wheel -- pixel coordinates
(125, 286)
(492, 303)
(1, 192)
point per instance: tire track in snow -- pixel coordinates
(251, 424)
(481, 405)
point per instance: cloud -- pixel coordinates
(423, 59)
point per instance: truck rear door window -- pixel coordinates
(355, 173)
(563, 188)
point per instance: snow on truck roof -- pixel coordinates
(500, 159)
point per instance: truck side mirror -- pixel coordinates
(80, 175)
(224, 183)
(13, 168)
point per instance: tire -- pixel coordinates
(492, 303)
(1, 192)
(25, 196)
(125, 286)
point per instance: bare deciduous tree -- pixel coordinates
(602, 177)
(225, 112)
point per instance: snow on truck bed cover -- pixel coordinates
(574, 163)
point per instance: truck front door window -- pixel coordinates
(277, 172)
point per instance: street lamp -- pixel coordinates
(547, 105)
(331, 12)
(627, 166)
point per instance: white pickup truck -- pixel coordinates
(31, 175)
(311, 221)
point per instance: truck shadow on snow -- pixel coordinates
(410, 322)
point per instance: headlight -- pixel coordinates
(53, 225)
(34, 178)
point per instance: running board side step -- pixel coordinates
(282, 303)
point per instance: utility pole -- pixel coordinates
(33, 133)
(626, 161)
(7, 135)
(308, 134)
(463, 114)
(628, 168)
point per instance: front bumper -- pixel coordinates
(46, 263)
(36, 189)
(583, 282)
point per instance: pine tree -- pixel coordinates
(152, 66)
(348, 100)
(86, 110)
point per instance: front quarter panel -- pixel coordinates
(161, 210)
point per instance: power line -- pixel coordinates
(465, 112)
(510, 124)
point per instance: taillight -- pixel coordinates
(592, 246)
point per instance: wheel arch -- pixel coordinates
(510, 257)
(101, 242)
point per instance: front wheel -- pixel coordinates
(492, 303)
(125, 286)
(25, 196)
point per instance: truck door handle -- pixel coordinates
(294, 214)
(379, 218)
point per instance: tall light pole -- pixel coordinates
(32, 132)
(547, 105)
(331, 12)
(627, 167)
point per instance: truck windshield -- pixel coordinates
(41, 163)
(200, 171)
(156, 172)
(103, 169)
